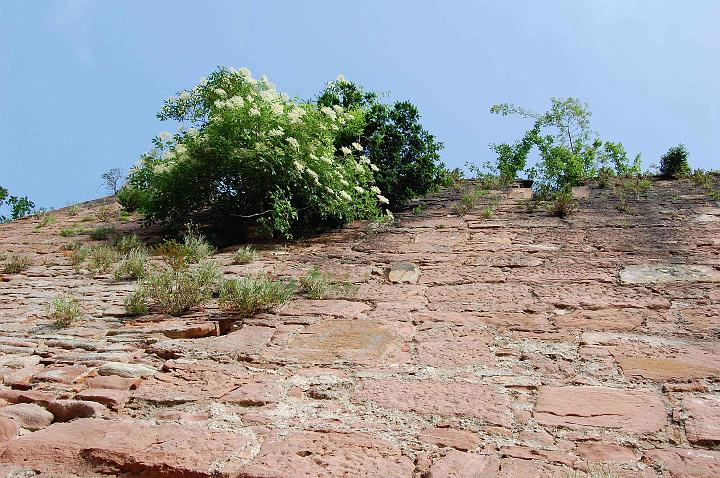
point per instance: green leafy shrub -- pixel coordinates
(137, 303)
(79, 254)
(19, 206)
(252, 295)
(101, 259)
(317, 284)
(192, 250)
(245, 255)
(248, 153)
(133, 265)
(562, 203)
(104, 213)
(674, 163)
(196, 248)
(570, 151)
(16, 263)
(45, 218)
(175, 292)
(469, 200)
(129, 198)
(64, 311)
(405, 155)
(127, 243)
(708, 182)
(69, 232)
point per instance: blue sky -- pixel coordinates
(81, 81)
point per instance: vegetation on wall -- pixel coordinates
(569, 150)
(674, 163)
(406, 155)
(245, 152)
(18, 206)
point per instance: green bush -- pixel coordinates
(69, 232)
(469, 200)
(192, 250)
(248, 153)
(175, 292)
(137, 303)
(129, 198)
(19, 206)
(127, 243)
(45, 218)
(133, 265)
(64, 311)
(101, 259)
(317, 284)
(570, 151)
(405, 155)
(245, 255)
(674, 163)
(97, 259)
(79, 254)
(562, 203)
(252, 295)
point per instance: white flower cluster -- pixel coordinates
(283, 130)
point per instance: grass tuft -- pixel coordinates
(64, 311)
(252, 295)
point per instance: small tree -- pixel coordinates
(19, 206)
(570, 151)
(674, 163)
(113, 179)
(405, 154)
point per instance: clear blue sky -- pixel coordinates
(81, 81)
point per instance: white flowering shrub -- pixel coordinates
(405, 156)
(244, 152)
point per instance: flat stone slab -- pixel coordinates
(457, 464)
(433, 397)
(403, 273)
(634, 411)
(463, 440)
(664, 273)
(681, 462)
(87, 446)
(207, 380)
(329, 454)
(682, 367)
(335, 308)
(358, 341)
(702, 424)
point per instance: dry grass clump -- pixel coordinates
(252, 295)
(16, 263)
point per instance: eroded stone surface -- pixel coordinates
(682, 462)
(636, 411)
(702, 424)
(125, 447)
(328, 454)
(421, 396)
(403, 272)
(359, 341)
(663, 273)
(518, 352)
